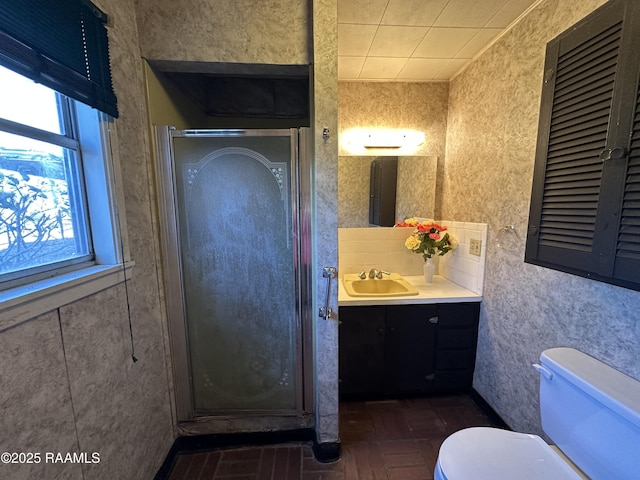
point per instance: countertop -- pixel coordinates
(440, 290)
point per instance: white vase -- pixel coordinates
(429, 269)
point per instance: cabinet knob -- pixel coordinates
(433, 320)
(381, 331)
(431, 376)
(612, 154)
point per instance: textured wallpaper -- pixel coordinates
(325, 87)
(243, 31)
(491, 140)
(353, 191)
(416, 187)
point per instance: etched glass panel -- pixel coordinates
(234, 206)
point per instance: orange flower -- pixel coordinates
(428, 238)
(408, 222)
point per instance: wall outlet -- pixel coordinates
(474, 246)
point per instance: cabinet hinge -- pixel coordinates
(549, 75)
(433, 319)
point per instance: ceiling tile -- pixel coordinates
(349, 67)
(468, 13)
(413, 12)
(478, 42)
(377, 38)
(452, 67)
(396, 41)
(422, 69)
(361, 11)
(507, 14)
(355, 40)
(444, 42)
(377, 68)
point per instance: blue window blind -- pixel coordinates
(62, 44)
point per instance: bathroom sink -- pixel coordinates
(389, 286)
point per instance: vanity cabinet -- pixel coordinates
(407, 349)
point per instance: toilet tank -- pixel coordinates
(592, 413)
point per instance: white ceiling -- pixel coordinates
(417, 40)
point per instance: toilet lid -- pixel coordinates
(489, 453)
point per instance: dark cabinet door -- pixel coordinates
(361, 350)
(455, 345)
(407, 349)
(409, 352)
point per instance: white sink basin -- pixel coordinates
(389, 286)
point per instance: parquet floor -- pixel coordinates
(380, 440)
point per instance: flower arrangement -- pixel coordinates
(428, 238)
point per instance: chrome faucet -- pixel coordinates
(374, 272)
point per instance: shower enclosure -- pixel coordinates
(235, 214)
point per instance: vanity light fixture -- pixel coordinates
(363, 140)
(393, 139)
(384, 139)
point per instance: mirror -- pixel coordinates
(415, 191)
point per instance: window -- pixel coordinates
(43, 214)
(61, 237)
(60, 231)
(585, 204)
(58, 195)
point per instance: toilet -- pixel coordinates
(589, 410)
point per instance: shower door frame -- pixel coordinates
(301, 222)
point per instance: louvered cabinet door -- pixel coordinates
(590, 89)
(627, 258)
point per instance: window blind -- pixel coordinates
(62, 44)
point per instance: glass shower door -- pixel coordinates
(237, 216)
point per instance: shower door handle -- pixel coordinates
(329, 273)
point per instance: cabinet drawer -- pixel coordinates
(458, 314)
(455, 338)
(454, 359)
